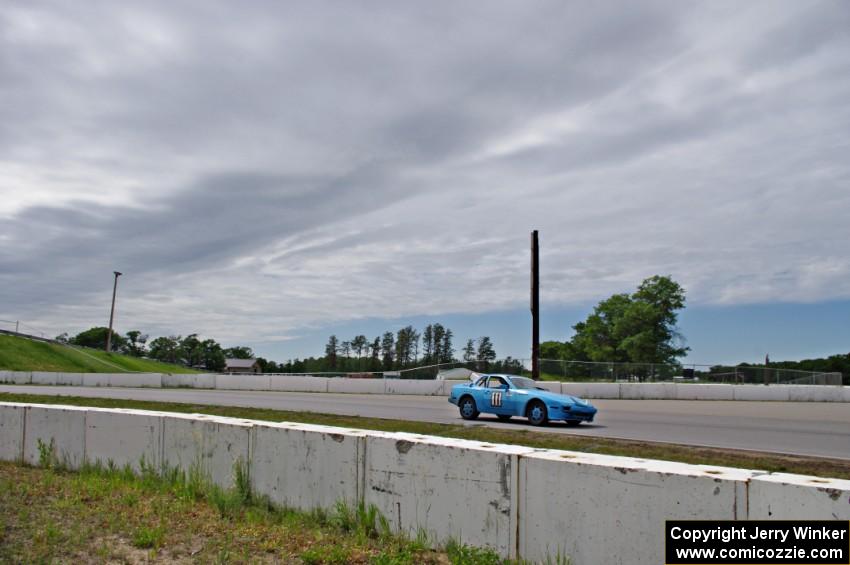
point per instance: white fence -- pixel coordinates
(292, 383)
(522, 502)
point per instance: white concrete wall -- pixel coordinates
(146, 380)
(451, 488)
(592, 390)
(519, 501)
(12, 431)
(414, 386)
(69, 379)
(306, 466)
(16, 377)
(188, 380)
(356, 386)
(43, 378)
(781, 496)
(243, 382)
(65, 425)
(605, 509)
(211, 444)
(124, 437)
(299, 383)
(778, 393)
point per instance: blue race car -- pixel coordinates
(510, 395)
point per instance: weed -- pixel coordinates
(148, 538)
(46, 454)
(460, 554)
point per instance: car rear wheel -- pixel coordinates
(536, 413)
(503, 417)
(468, 410)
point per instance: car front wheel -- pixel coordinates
(537, 413)
(468, 410)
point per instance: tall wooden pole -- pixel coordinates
(535, 307)
(112, 313)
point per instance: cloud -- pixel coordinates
(259, 170)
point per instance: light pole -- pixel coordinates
(112, 312)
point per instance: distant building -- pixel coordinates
(241, 366)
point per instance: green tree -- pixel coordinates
(331, 350)
(446, 349)
(638, 328)
(135, 343)
(212, 355)
(388, 351)
(96, 338)
(239, 352)
(469, 351)
(486, 353)
(166, 349)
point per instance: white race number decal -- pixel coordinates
(496, 399)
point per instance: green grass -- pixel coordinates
(21, 354)
(777, 463)
(108, 514)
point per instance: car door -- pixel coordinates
(498, 396)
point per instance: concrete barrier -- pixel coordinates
(69, 379)
(96, 379)
(210, 444)
(649, 391)
(43, 378)
(243, 382)
(781, 496)
(448, 487)
(294, 383)
(815, 393)
(604, 509)
(12, 431)
(777, 393)
(357, 386)
(137, 380)
(16, 377)
(302, 383)
(413, 386)
(592, 390)
(306, 466)
(188, 380)
(65, 426)
(529, 503)
(705, 392)
(124, 437)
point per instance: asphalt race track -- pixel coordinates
(803, 428)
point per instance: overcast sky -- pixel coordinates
(262, 171)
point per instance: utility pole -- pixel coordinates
(112, 312)
(535, 307)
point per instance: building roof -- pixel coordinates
(240, 363)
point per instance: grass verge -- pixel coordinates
(821, 467)
(21, 354)
(105, 514)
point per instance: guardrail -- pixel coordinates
(522, 502)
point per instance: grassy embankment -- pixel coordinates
(20, 354)
(104, 515)
(830, 468)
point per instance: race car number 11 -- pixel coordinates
(496, 399)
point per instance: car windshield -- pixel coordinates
(522, 382)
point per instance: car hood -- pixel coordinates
(555, 397)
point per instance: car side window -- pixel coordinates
(480, 382)
(497, 383)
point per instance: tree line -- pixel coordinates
(406, 348)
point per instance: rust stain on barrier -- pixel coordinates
(339, 438)
(504, 474)
(833, 493)
(403, 446)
